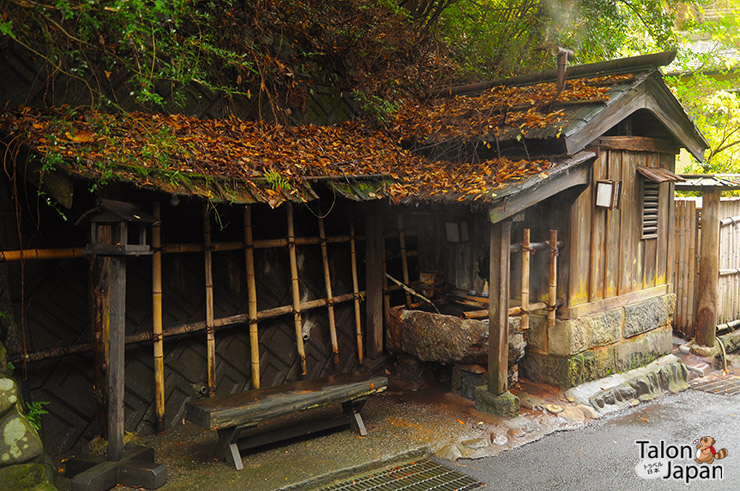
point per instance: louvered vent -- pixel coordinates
(650, 193)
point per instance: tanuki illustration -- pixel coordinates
(706, 453)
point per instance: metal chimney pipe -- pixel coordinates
(563, 55)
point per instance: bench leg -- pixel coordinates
(352, 409)
(227, 437)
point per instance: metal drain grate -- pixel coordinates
(422, 475)
(726, 386)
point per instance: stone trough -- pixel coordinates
(451, 340)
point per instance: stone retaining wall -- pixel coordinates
(575, 351)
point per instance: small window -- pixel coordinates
(650, 207)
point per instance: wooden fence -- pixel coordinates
(687, 233)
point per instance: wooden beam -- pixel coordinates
(498, 325)
(637, 144)
(580, 310)
(117, 344)
(374, 252)
(505, 208)
(706, 308)
(99, 301)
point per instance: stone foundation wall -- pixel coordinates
(591, 347)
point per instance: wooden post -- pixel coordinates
(374, 253)
(356, 291)
(498, 298)
(252, 295)
(553, 284)
(99, 287)
(117, 345)
(329, 296)
(210, 327)
(157, 317)
(404, 258)
(296, 293)
(524, 325)
(706, 309)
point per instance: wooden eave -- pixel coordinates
(651, 94)
(570, 173)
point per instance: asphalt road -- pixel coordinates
(604, 455)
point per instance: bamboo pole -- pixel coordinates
(553, 286)
(524, 319)
(79, 252)
(252, 294)
(404, 258)
(157, 317)
(476, 314)
(296, 292)
(183, 329)
(31, 254)
(210, 327)
(355, 291)
(329, 296)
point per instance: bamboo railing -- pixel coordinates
(211, 324)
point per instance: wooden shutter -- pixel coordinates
(650, 207)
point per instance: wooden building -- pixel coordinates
(274, 242)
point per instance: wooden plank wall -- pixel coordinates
(607, 255)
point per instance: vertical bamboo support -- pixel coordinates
(296, 292)
(210, 327)
(329, 296)
(553, 284)
(157, 317)
(526, 252)
(386, 293)
(356, 291)
(404, 258)
(252, 292)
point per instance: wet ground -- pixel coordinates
(402, 424)
(604, 455)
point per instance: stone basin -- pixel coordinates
(446, 338)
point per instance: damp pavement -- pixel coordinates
(605, 454)
(404, 425)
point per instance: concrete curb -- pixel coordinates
(666, 374)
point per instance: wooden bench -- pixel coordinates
(231, 415)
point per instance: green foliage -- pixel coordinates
(709, 79)
(377, 107)
(34, 411)
(10, 367)
(276, 181)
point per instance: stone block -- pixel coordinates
(536, 335)
(505, 405)
(568, 337)
(647, 315)
(9, 396)
(642, 349)
(19, 441)
(31, 476)
(465, 378)
(569, 371)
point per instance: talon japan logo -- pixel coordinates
(687, 463)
